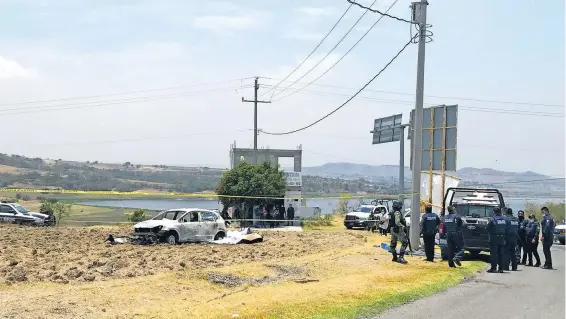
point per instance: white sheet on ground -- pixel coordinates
(233, 237)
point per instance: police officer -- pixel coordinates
(522, 242)
(547, 226)
(398, 225)
(511, 238)
(454, 237)
(429, 224)
(532, 231)
(496, 229)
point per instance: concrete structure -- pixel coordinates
(293, 193)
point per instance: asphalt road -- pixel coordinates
(527, 293)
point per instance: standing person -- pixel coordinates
(291, 213)
(454, 237)
(384, 222)
(532, 233)
(547, 227)
(398, 225)
(496, 229)
(428, 226)
(522, 242)
(281, 214)
(511, 237)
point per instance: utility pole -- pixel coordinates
(255, 101)
(402, 164)
(419, 14)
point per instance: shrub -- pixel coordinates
(557, 210)
(137, 216)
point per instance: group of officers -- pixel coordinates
(508, 237)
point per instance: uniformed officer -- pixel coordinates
(547, 227)
(454, 237)
(429, 224)
(511, 237)
(532, 232)
(522, 242)
(496, 229)
(398, 225)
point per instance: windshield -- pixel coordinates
(365, 209)
(476, 211)
(21, 209)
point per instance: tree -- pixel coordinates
(137, 216)
(61, 210)
(246, 182)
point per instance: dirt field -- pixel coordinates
(64, 255)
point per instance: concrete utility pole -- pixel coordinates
(420, 16)
(255, 101)
(402, 164)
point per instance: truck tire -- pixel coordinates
(475, 253)
(444, 253)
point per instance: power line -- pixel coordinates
(463, 107)
(312, 52)
(110, 102)
(328, 53)
(351, 98)
(381, 13)
(343, 56)
(122, 93)
(433, 96)
(535, 180)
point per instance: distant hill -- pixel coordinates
(516, 181)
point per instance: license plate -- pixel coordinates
(442, 242)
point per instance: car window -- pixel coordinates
(6, 209)
(185, 218)
(476, 211)
(365, 209)
(21, 209)
(207, 216)
(170, 215)
(194, 217)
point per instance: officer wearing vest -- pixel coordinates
(532, 233)
(511, 238)
(398, 226)
(547, 230)
(429, 225)
(522, 242)
(496, 228)
(454, 237)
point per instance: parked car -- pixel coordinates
(475, 207)
(559, 232)
(359, 217)
(17, 214)
(183, 225)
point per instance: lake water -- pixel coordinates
(327, 206)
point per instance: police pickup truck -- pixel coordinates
(475, 207)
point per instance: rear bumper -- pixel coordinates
(355, 223)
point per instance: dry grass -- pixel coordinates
(5, 169)
(350, 277)
(76, 210)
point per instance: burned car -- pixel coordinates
(182, 225)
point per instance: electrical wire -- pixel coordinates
(350, 99)
(381, 13)
(462, 107)
(341, 58)
(328, 53)
(310, 54)
(109, 102)
(432, 96)
(535, 180)
(123, 93)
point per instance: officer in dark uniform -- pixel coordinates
(532, 232)
(511, 237)
(398, 225)
(496, 229)
(547, 227)
(522, 242)
(454, 237)
(429, 225)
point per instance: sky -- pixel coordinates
(161, 82)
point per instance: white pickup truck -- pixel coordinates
(359, 217)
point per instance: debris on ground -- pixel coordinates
(244, 236)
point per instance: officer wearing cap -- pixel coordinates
(454, 238)
(429, 225)
(511, 237)
(496, 228)
(547, 230)
(522, 242)
(398, 225)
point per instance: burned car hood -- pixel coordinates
(153, 223)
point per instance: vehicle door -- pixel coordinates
(7, 214)
(189, 227)
(209, 225)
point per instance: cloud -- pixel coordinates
(317, 11)
(224, 24)
(303, 36)
(324, 65)
(10, 69)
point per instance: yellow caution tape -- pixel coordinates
(173, 194)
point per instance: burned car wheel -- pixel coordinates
(171, 238)
(219, 236)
